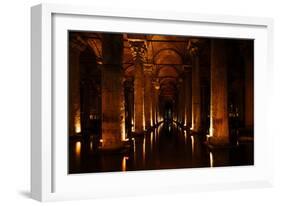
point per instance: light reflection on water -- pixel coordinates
(143, 151)
(124, 163)
(151, 141)
(211, 159)
(167, 146)
(78, 149)
(192, 144)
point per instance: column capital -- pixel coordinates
(138, 48)
(78, 43)
(193, 47)
(148, 68)
(156, 84)
(96, 46)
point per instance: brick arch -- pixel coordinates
(168, 56)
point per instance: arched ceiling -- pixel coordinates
(167, 71)
(167, 55)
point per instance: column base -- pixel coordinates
(196, 132)
(113, 147)
(138, 134)
(218, 144)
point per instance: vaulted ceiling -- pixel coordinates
(167, 54)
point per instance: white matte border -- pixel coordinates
(114, 184)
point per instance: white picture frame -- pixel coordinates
(49, 178)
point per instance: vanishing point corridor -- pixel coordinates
(150, 102)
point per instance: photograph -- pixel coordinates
(139, 102)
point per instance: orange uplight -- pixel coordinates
(78, 148)
(124, 163)
(77, 126)
(192, 144)
(123, 132)
(91, 145)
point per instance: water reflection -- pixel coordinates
(211, 159)
(78, 149)
(124, 163)
(166, 147)
(143, 151)
(192, 144)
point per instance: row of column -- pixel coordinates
(145, 90)
(189, 111)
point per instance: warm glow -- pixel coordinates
(185, 137)
(151, 141)
(101, 141)
(192, 144)
(185, 118)
(143, 150)
(133, 126)
(134, 143)
(77, 126)
(192, 120)
(143, 119)
(211, 130)
(237, 143)
(211, 160)
(124, 163)
(151, 117)
(91, 116)
(91, 145)
(78, 148)
(123, 132)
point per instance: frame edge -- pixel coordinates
(36, 109)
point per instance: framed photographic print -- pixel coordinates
(137, 102)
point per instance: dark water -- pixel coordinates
(165, 147)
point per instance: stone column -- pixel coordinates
(74, 118)
(138, 49)
(188, 97)
(181, 101)
(249, 85)
(129, 105)
(219, 130)
(147, 95)
(153, 106)
(156, 100)
(112, 92)
(196, 95)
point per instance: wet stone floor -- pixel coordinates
(165, 147)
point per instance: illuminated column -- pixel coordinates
(112, 92)
(219, 130)
(156, 100)
(153, 106)
(181, 101)
(138, 49)
(74, 85)
(196, 95)
(122, 107)
(188, 97)
(147, 95)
